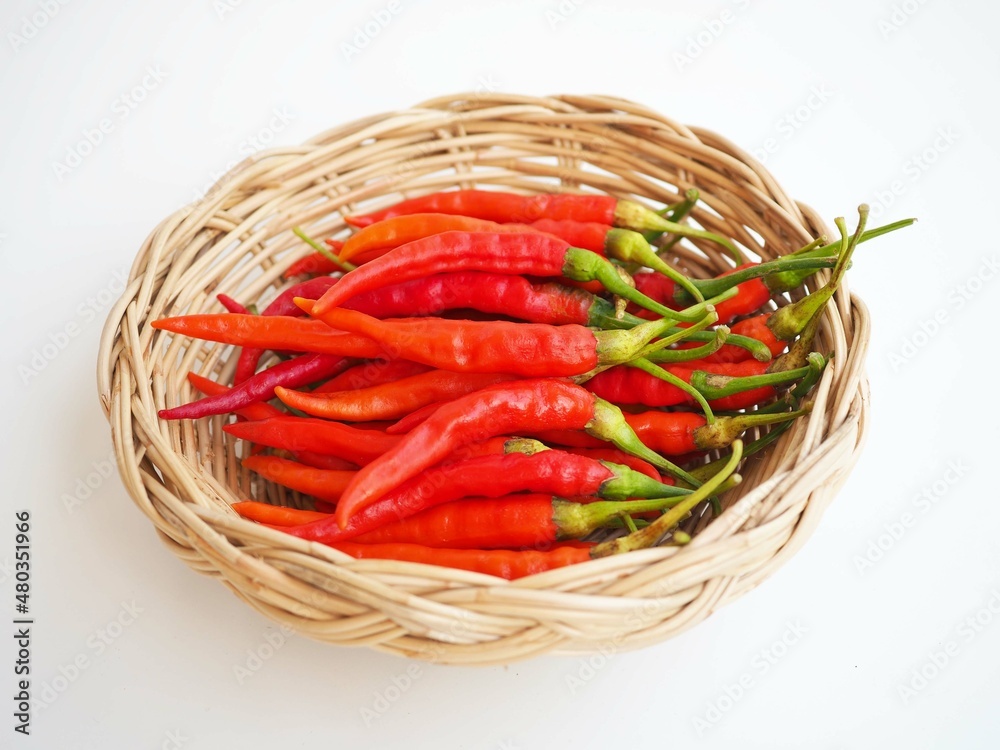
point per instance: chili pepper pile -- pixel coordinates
(508, 384)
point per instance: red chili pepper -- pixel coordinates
(317, 263)
(275, 332)
(322, 483)
(502, 294)
(275, 515)
(389, 400)
(232, 305)
(629, 385)
(501, 409)
(528, 349)
(324, 461)
(514, 254)
(291, 373)
(379, 238)
(680, 433)
(754, 328)
(412, 419)
(371, 372)
(246, 365)
(509, 564)
(524, 209)
(602, 452)
(507, 522)
(251, 411)
(590, 235)
(297, 434)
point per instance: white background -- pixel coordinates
(893, 103)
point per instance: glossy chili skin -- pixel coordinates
(590, 235)
(371, 372)
(750, 295)
(275, 515)
(390, 400)
(291, 373)
(251, 411)
(500, 294)
(475, 523)
(489, 475)
(272, 332)
(316, 435)
(500, 207)
(508, 408)
(249, 357)
(509, 564)
(755, 328)
(324, 484)
(527, 349)
(627, 385)
(379, 238)
(667, 433)
(514, 254)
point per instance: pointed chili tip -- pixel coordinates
(304, 304)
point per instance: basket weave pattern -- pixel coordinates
(237, 240)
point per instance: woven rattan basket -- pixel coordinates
(238, 240)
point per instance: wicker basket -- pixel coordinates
(238, 239)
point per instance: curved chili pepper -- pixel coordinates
(501, 409)
(528, 349)
(325, 484)
(751, 280)
(371, 372)
(275, 515)
(412, 419)
(502, 294)
(509, 564)
(380, 237)
(250, 411)
(232, 305)
(524, 209)
(246, 365)
(513, 254)
(389, 400)
(603, 452)
(629, 385)
(492, 475)
(680, 433)
(275, 332)
(291, 373)
(506, 522)
(316, 435)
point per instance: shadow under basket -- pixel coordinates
(238, 240)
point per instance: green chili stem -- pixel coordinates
(713, 386)
(658, 372)
(323, 250)
(650, 535)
